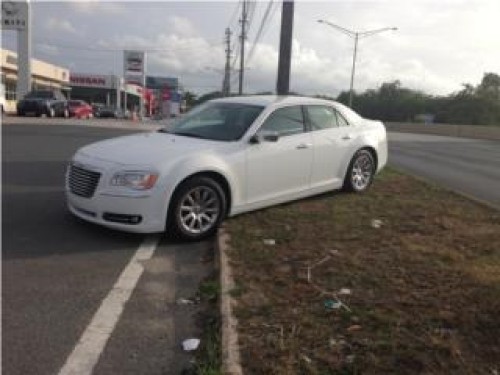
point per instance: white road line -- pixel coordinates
(92, 342)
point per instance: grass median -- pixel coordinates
(404, 279)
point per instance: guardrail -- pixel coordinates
(464, 131)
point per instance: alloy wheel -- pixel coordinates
(362, 172)
(199, 210)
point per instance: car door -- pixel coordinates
(332, 137)
(280, 169)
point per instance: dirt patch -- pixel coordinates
(415, 268)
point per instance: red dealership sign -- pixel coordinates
(90, 80)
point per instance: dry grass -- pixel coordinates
(425, 286)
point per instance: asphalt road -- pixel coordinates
(468, 166)
(57, 270)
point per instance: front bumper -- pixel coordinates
(112, 212)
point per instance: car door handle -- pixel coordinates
(347, 137)
(303, 146)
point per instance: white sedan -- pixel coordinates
(223, 158)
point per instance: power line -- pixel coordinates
(235, 12)
(261, 28)
(252, 5)
(273, 12)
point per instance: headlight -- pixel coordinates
(137, 180)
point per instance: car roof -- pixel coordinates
(266, 100)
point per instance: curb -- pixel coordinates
(230, 348)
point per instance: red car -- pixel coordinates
(80, 109)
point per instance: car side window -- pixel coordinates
(322, 117)
(285, 121)
(341, 120)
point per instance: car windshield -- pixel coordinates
(216, 121)
(39, 94)
(74, 103)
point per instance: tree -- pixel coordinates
(209, 96)
(473, 105)
(489, 88)
(190, 98)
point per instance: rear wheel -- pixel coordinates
(51, 112)
(66, 113)
(360, 172)
(197, 208)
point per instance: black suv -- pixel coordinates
(43, 102)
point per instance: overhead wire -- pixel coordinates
(260, 30)
(235, 12)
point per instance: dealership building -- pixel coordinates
(43, 76)
(106, 89)
(162, 96)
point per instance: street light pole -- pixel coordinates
(356, 35)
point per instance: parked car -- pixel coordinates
(50, 103)
(95, 108)
(103, 111)
(223, 158)
(80, 109)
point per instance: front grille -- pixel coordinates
(82, 182)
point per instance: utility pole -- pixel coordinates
(226, 85)
(243, 37)
(283, 84)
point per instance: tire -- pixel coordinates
(197, 208)
(66, 113)
(51, 112)
(360, 173)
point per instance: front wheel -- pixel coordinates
(360, 172)
(197, 209)
(51, 112)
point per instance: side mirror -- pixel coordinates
(265, 136)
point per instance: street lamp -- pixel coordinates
(356, 35)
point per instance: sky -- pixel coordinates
(438, 45)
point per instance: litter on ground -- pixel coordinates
(190, 344)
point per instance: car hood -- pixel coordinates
(152, 149)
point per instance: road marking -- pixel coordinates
(93, 340)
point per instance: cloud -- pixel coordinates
(438, 45)
(96, 7)
(48, 49)
(58, 25)
(182, 26)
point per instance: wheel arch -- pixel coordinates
(217, 177)
(373, 152)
